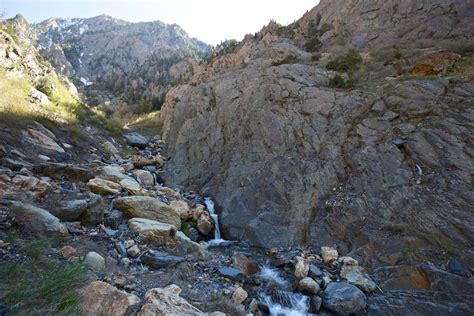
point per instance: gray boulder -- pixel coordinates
(344, 298)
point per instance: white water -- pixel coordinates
(217, 231)
(299, 303)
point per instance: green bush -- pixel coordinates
(345, 63)
(339, 82)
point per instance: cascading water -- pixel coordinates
(217, 232)
(280, 300)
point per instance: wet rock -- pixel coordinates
(153, 232)
(309, 286)
(239, 296)
(329, 254)
(149, 208)
(37, 221)
(288, 299)
(231, 273)
(205, 224)
(70, 210)
(159, 260)
(94, 261)
(314, 271)
(137, 140)
(357, 276)
(31, 185)
(344, 298)
(101, 298)
(64, 171)
(104, 187)
(132, 186)
(167, 301)
(315, 303)
(456, 267)
(183, 209)
(145, 177)
(94, 213)
(187, 246)
(245, 264)
(67, 251)
(301, 267)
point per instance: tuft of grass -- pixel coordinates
(346, 62)
(328, 207)
(290, 59)
(12, 235)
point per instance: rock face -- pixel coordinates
(272, 143)
(110, 57)
(370, 23)
(148, 208)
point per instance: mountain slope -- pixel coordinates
(109, 59)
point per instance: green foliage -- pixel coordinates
(338, 82)
(313, 44)
(328, 207)
(41, 285)
(386, 54)
(44, 85)
(346, 62)
(447, 244)
(290, 59)
(12, 234)
(225, 47)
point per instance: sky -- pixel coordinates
(209, 20)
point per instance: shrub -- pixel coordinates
(339, 82)
(44, 85)
(346, 62)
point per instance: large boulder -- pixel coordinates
(149, 208)
(31, 185)
(101, 298)
(344, 298)
(37, 221)
(104, 187)
(153, 232)
(167, 301)
(357, 276)
(137, 140)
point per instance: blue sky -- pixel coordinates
(208, 20)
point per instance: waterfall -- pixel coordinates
(210, 207)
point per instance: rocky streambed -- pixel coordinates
(148, 249)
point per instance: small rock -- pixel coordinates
(167, 301)
(140, 162)
(153, 232)
(344, 298)
(132, 186)
(133, 251)
(231, 273)
(94, 261)
(314, 271)
(329, 254)
(245, 264)
(94, 213)
(239, 295)
(301, 267)
(205, 224)
(137, 140)
(67, 251)
(145, 177)
(348, 261)
(456, 267)
(113, 219)
(125, 261)
(308, 285)
(129, 243)
(110, 148)
(315, 303)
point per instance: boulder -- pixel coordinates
(140, 161)
(132, 186)
(357, 276)
(239, 295)
(159, 260)
(166, 301)
(329, 254)
(245, 264)
(183, 209)
(39, 96)
(70, 210)
(94, 213)
(145, 177)
(62, 171)
(149, 208)
(137, 140)
(103, 299)
(308, 285)
(187, 246)
(31, 185)
(37, 221)
(104, 187)
(343, 298)
(42, 140)
(205, 224)
(231, 273)
(113, 173)
(67, 251)
(94, 261)
(301, 267)
(110, 148)
(153, 232)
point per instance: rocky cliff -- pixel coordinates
(381, 168)
(109, 59)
